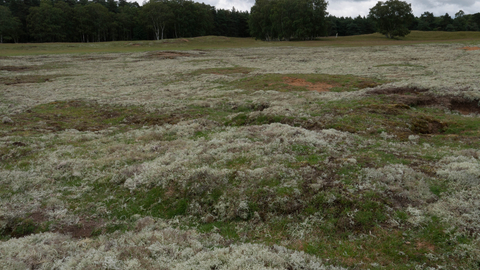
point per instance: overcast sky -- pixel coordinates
(353, 8)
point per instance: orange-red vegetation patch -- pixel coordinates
(470, 48)
(318, 86)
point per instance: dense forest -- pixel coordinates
(110, 20)
(288, 19)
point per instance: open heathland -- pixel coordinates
(256, 156)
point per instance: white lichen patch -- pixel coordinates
(157, 246)
(231, 166)
(399, 180)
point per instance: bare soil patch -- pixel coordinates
(27, 79)
(174, 41)
(470, 48)
(318, 87)
(18, 68)
(93, 58)
(427, 125)
(83, 229)
(420, 97)
(167, 55)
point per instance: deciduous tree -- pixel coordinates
(392, 17)
(157, 14)
(9, 25)
(288, 19)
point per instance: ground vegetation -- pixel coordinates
(273, 157)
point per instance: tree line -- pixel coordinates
(348, 26)
(288, 19)
(460, 22)
(111, 20)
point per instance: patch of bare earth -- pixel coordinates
(18, 68)
(94, 58)
(167, 55)
(84, 228)
(413, 96)
(318, 86)
(27, 79)
(470, 48)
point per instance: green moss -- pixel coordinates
(226, 229)
(280, 82)
(243, 119)
(20, 227)
(83, 116)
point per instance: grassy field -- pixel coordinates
(224, 153)
(214, 42)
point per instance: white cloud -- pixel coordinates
(353, 8)
(350, 8)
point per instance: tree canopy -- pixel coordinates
(9, 25)
(392, 17)
(110, 20)
(288, 19)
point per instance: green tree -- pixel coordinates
(157, 14)
(9, 25)
(84, 28)
(392, 17)
(426, 22)
(100, 19)
(260, 24)
(460, 21)
(445, 20)
(127, 19)
(67, 23)
(45, 22)
(20, 9)
(288, 19)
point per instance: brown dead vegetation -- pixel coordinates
(93, 58)
(167, 55)
(427, 125)
(19, 68)
(84, 228)
(422, 98)
(28, 79)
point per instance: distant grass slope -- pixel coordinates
(219, 42)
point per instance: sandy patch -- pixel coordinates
(319, 86)
(470, 48)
